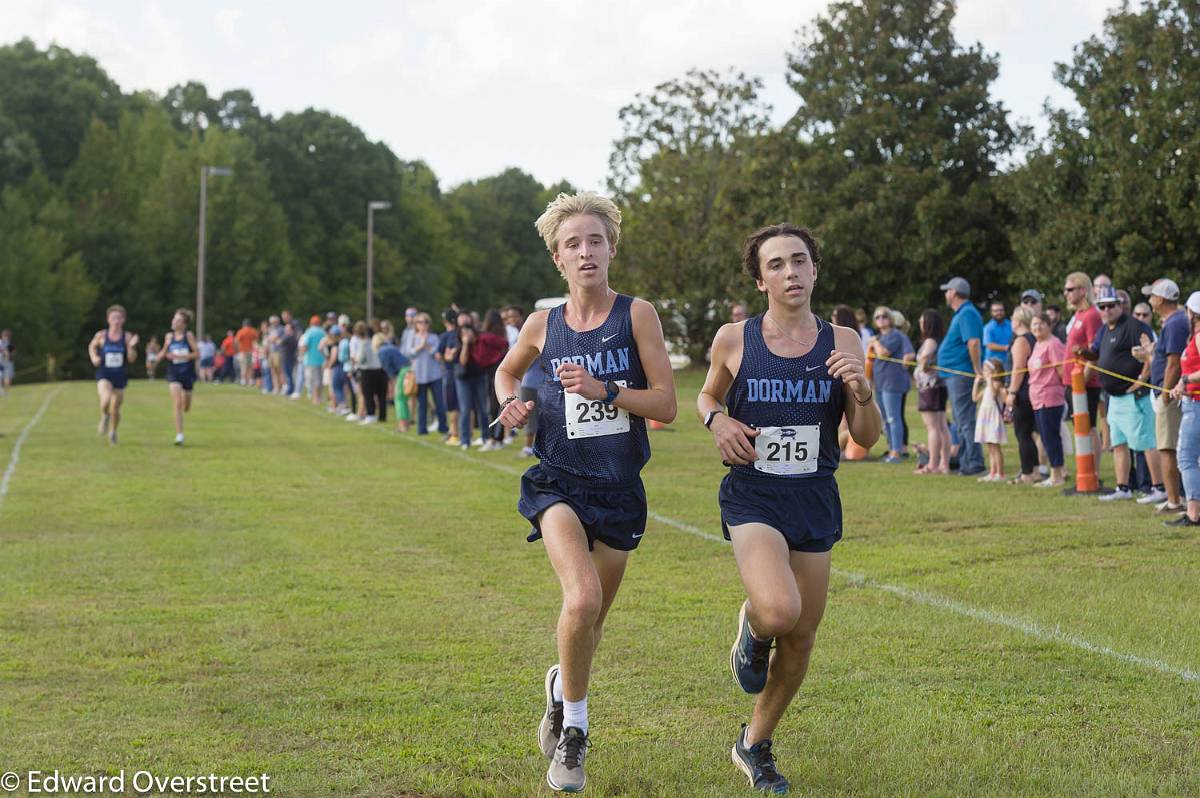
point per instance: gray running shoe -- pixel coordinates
(550, 729)
(749, 658)
(566, 768)
(758, 763)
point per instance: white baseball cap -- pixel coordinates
(1193, 303)
(1163, 287)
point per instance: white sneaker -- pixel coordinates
(1167, 508)
(1153, 497)
(343, 411)
(526, 451)
(179, 439)
(295, 396)
(479, 442)
(1120, 494)
(369, 420)
(352, 417)
(488, 446)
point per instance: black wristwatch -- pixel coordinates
(613, 389)
(708, 418)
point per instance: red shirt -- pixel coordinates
(489, 349)
(1189, 363)
(227, 345)
(1084, 327)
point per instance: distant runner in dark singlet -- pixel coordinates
(181, 352)
(111, 351)
(605, 371)
(777, 388)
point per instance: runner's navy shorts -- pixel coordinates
(613, 513)
(807, 511)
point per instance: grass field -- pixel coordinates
(356, 613)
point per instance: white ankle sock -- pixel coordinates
(575, 714)
(556, 687)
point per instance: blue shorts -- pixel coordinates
(206, 362)
(118, 378)
(614, 514)
(807, 511)
(186, 379)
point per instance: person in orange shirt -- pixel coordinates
(246, 337)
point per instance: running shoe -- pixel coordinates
(112, 437)
(566, 767)
(451, 441)
(749, 658)
(352, 417)
(369, 420)
(1182, 520)
(179, 439)
(1166, 508)
(758, 763)
(1118, 495)
(1155, 496)
(527, 451)
(550, 729)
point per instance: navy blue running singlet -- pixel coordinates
(598, 442)
(184, 370)
(794, 401)
(112, 361)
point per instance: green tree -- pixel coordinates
(899, 143)
(46, 292)
(1113, 186)
(680, 174)
(51, 96)
(505, 261)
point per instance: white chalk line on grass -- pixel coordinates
(991, 617)
(16, 452)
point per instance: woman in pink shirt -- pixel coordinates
(1046, 394)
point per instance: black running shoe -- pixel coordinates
(758, 763)
(550, 729)
(1182, 520)
(749, 658)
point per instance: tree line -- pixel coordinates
(897, 154)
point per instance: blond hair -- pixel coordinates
(565, 206)
(1023, 316)
(1085, 281)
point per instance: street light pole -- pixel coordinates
(205, 171)
(375, 205)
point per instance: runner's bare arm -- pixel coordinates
(131, 342)
(194, 352)
(94, 349)
(733, 438)
(512, 368)
(862, 414)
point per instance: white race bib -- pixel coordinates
(788, 450)
(592, 418)
(114, 360)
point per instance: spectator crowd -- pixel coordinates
(1139, 364)
(435, 376)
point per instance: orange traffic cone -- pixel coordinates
(1086, 480)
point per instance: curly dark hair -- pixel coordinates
(756, 239)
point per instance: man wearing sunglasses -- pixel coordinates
(1130, 412)
(1032, 299)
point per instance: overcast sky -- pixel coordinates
(476, 87)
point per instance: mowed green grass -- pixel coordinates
(357, 613)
